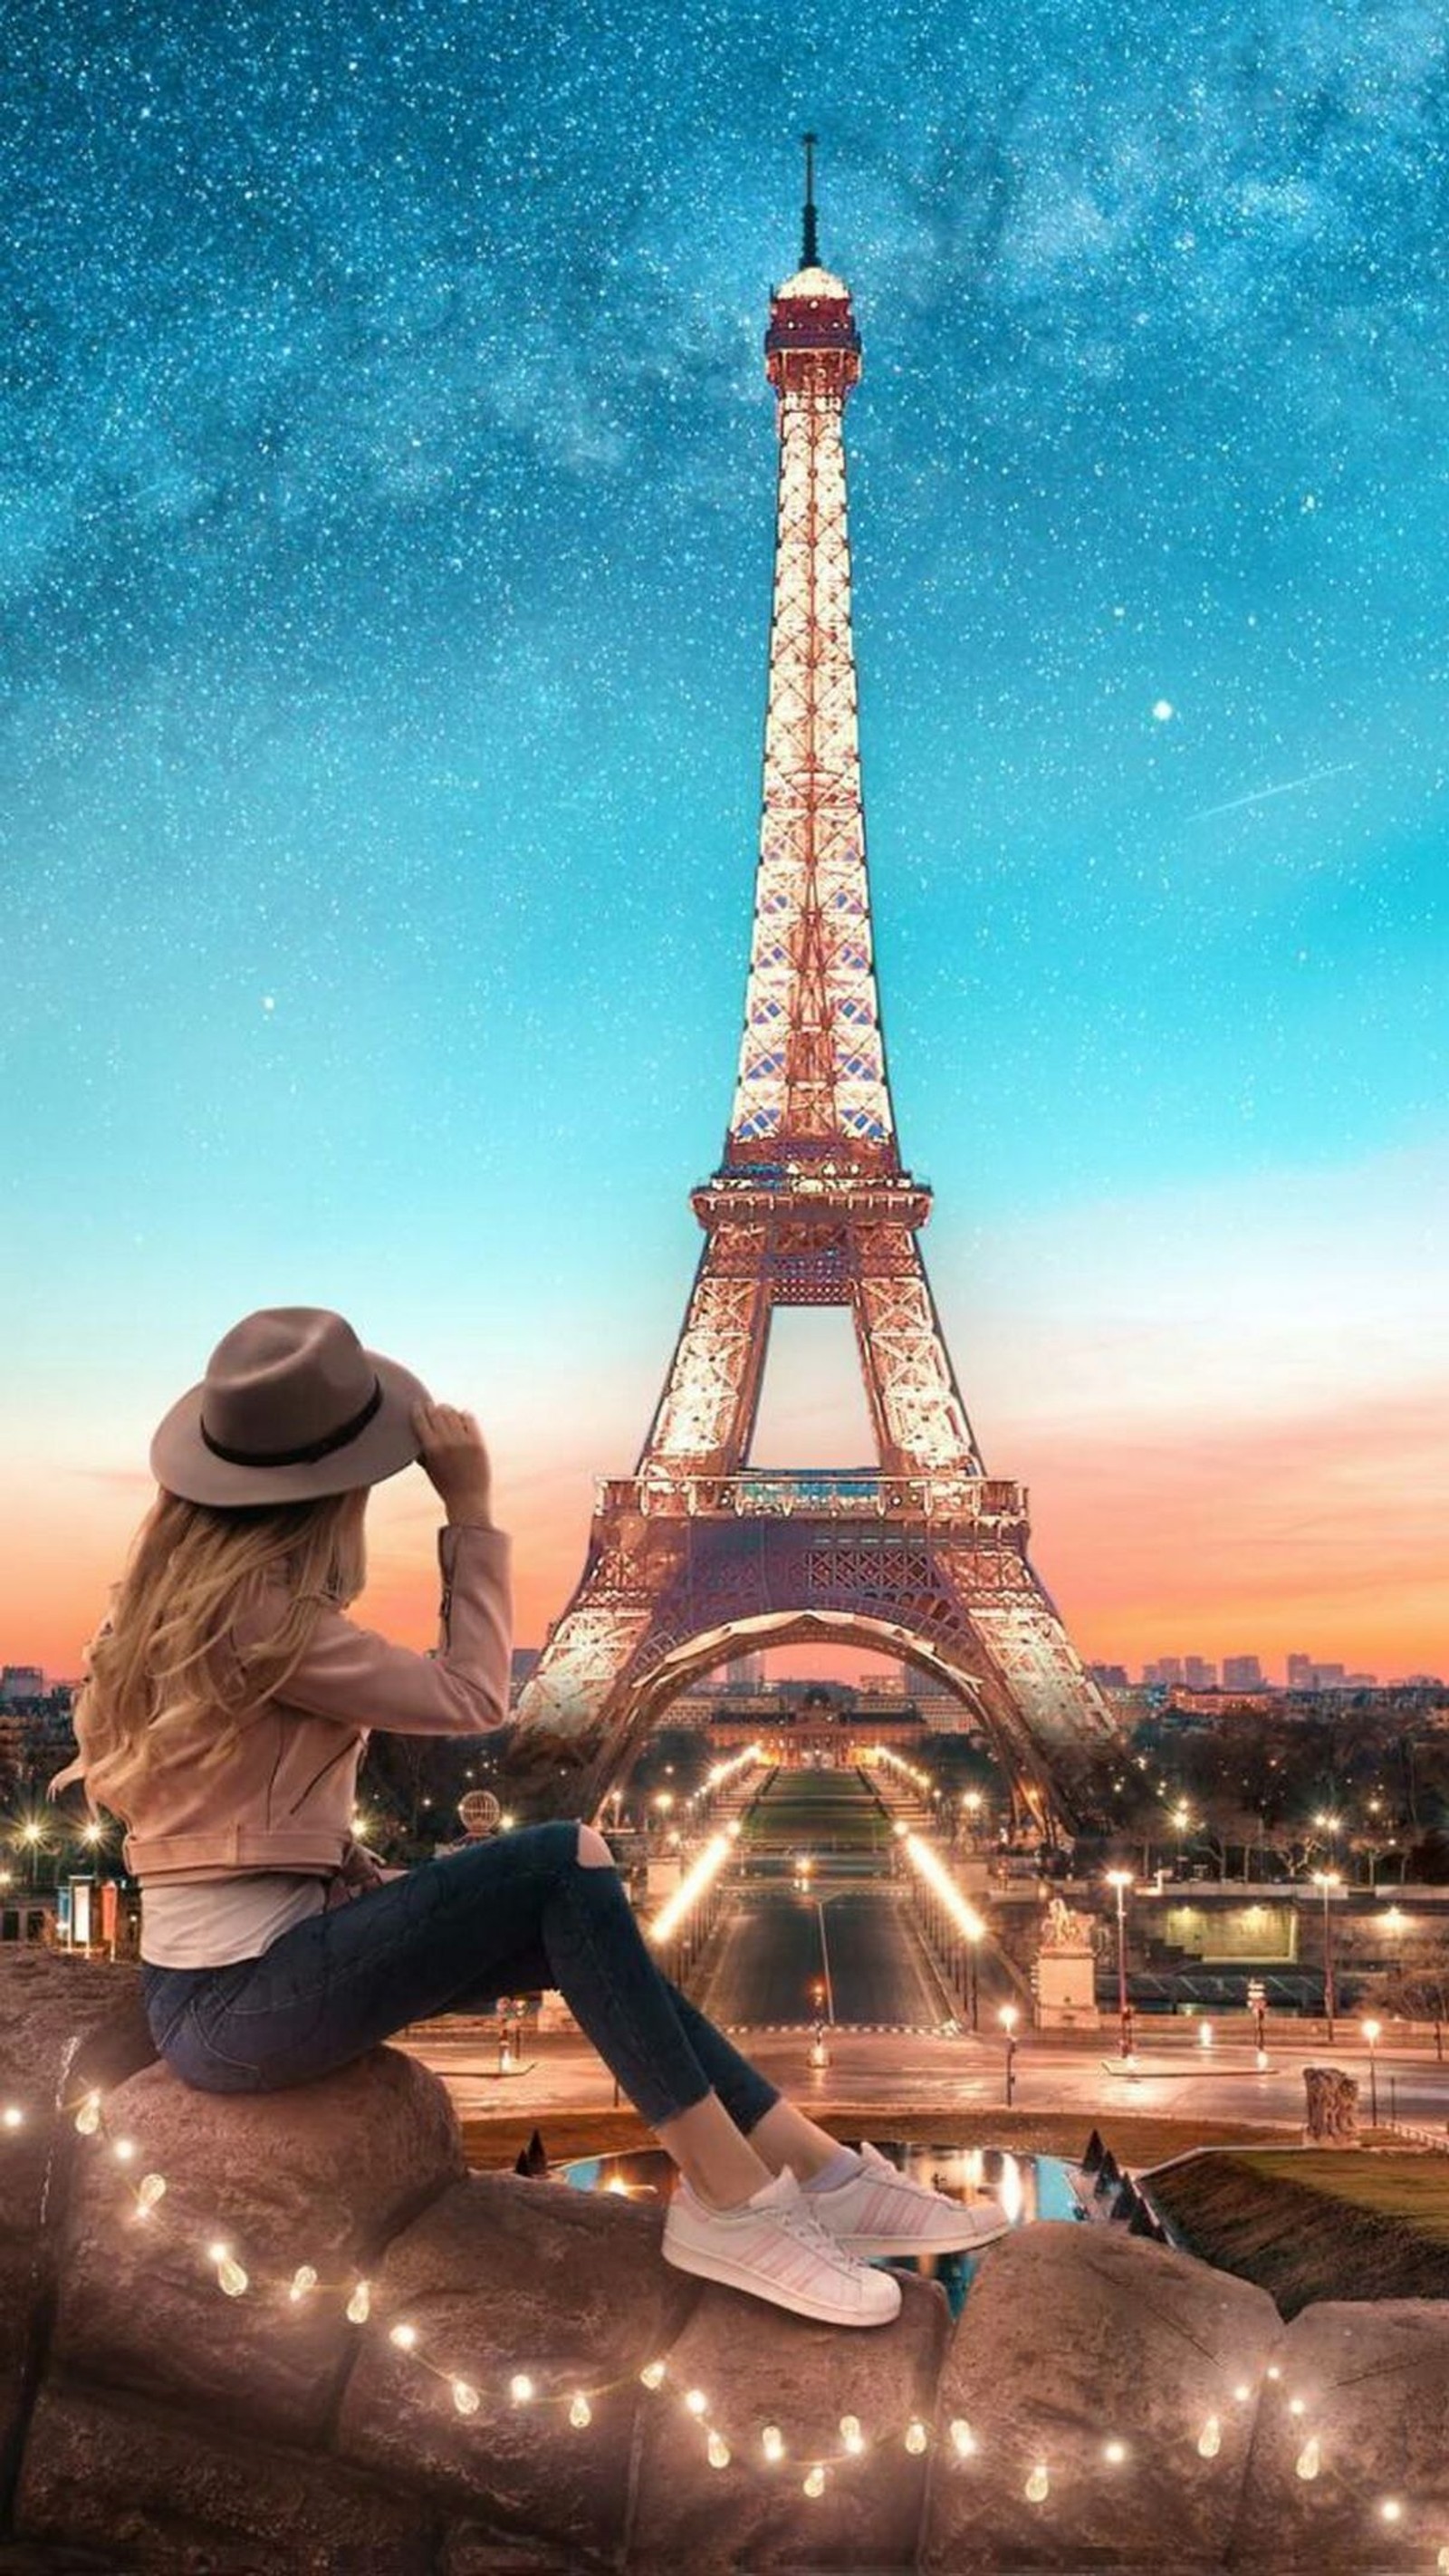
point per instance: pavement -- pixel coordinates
(926, 2071)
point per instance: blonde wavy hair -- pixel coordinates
(161, 1668)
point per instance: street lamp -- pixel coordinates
(1328, 1880)
(1121, 1880)
(1372, 2031)
(1007, 2018)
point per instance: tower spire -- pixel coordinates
(810, 250)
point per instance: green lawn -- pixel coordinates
(1321, 2224)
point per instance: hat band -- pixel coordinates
(299, 1457)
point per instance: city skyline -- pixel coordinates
(387, 612)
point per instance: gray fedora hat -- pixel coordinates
(291, 1407)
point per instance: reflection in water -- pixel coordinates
(1027, 2188)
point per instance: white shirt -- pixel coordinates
(209, 1923)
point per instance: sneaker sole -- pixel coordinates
(864, 2246)
(735, 2276)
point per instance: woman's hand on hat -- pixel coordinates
(452, 1455)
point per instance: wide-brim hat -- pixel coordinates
(291, 1407)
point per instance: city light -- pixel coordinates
(693, 1884)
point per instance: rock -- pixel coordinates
(1331, 2117)
(318, 2173)
(63, 2023)
(175, 2499)
(501, 2276)
(756, 2365)
(1374, 2378)
(1093, 2153)
(1072, 2338)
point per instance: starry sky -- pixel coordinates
(388, 476)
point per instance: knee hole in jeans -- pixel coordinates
(593, 1851)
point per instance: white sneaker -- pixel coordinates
(776, 2248)
(880, 2211)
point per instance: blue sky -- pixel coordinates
(385, 559)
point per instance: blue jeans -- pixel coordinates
(505, 1917)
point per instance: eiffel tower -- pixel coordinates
(697, 1557)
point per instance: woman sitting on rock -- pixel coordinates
(226, 1707)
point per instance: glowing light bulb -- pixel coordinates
(232, 2278)
(123, 2150)
(772, 2443)
(303, 2280)
(580, 2412)
(520, 2388)
(963, 2440)
(915, 2435)
(1210, 2439)
(88, 2117)
(696, 2400)
(1296, 2406)
(1442, 2561)
(1038, 2486)
(1242, 2392)
(403, 2336)
(359, 2304)
(1310, 2459)
(1272, 2371)
(719, 2451)
(814, 2481)
(13, 2115)
(652, 2373)
(1116, 2452)
(150, 2189)
(850, 2433)
(1391, 2509)
(466, 2397)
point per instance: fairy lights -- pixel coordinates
(721, 2450)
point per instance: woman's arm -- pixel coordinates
(362, 1679)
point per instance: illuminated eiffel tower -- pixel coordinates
(696, 1557)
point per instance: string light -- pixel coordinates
(233, 2280)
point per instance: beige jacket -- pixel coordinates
(284, 1797)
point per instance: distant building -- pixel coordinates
(1300, 1672)
(746, 1673)
(1242, 1672)
(1198, 1675)
(1109, 1676)
(1165, 1674)
(21, 1682)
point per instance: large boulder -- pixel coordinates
(1074, 2344)
(1357, 2421)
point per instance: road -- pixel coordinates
(766, 1961)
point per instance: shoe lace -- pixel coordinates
(807, 2229)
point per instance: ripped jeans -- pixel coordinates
(505, 1917)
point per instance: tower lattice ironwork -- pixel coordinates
(697, 1557)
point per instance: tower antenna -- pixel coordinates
(810, 252)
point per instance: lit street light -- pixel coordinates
(1007, 2019)
(1371, 2031)
(1121, 1880)
(1327, 1880)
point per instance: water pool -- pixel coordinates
(1028, 2188)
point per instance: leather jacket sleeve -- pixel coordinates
(363, 1680)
